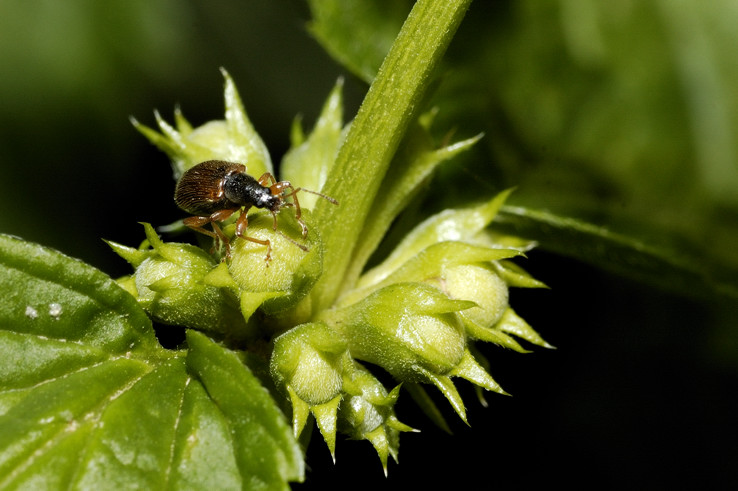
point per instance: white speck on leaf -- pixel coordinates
(55, 310)
(31, 313)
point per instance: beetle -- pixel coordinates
(214, 190)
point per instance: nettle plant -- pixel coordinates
(90, 398)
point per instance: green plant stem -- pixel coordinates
(391, 103)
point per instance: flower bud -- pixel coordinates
(291, 271)
(168, 284)
(310, 359)
(367, 413)
(407, 328)
(308, 362)
(480, 284)
(233, 139)
(492, 319)
(412, 330)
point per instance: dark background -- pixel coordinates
(641, 392)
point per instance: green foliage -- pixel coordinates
(621, 254)
(135, 414)
(617, 114)
(91, 401)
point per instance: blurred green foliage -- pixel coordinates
(72, 168)
(620, 114)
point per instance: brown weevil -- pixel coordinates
(214, 190)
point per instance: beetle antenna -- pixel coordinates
(304, 248)
(316, 193)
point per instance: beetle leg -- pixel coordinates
(280, 188)
(221, 239)
(242, 224)
(197, 223)
(220, 216)
(265, 242)
(265, 178)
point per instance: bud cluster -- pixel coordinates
(417, 314)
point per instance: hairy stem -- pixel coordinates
(391, 103)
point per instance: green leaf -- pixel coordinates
(133, 441)
(89, 400)
(392, 102)
(71, 427)
(615, 252)
(358, 33)
(204, 456)
(51, 295)
(265, 449)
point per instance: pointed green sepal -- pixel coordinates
(133, 256)
(172, 147)
(183, 126)
(220, 277)
(469, 369)
(512, 323)
(398, 425)
(516, 276)
(378, 439)
(325, 417)
(300, 412)
(128, 283)
(475, 331)
(246, 146)
(448, 389)
(250, 301)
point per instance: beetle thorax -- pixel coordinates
(244, 190)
